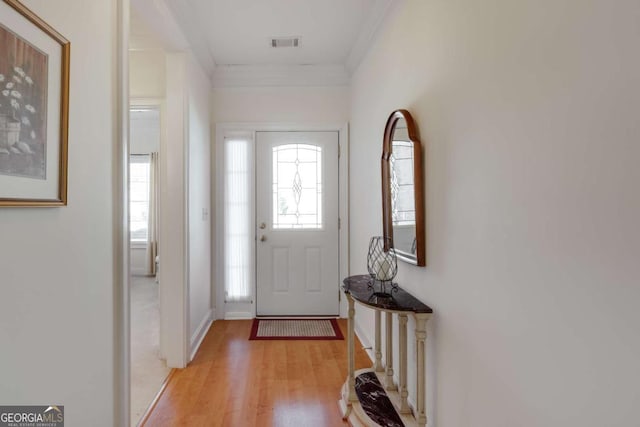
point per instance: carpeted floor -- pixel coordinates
(147, 370)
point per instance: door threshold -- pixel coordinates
(298, 317)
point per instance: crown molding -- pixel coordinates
(279, 75)
(369, 32)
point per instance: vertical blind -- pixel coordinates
(238, 219)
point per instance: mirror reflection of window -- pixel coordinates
(403, 213)
(402, 204)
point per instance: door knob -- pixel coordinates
(263, 225)
(263, 238)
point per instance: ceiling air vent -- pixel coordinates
(285, 42)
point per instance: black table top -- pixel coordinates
(363, 290)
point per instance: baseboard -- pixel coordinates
(200, 333)
(238, 315)
(265, 317)
(154, 402)
(143, 272)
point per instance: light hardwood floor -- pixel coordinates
(235, 382)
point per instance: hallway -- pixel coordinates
(236, 382)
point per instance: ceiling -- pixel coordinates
(233, 37)
(238, 32)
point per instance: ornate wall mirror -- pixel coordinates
(402, 194)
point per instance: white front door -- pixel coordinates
(297, 223)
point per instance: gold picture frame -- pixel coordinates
(34, 109)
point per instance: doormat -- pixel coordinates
(295, 329)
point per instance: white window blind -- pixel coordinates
(238, 219)
(139, 192)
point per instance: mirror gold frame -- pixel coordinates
(418, 257)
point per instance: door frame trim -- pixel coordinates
(121, 321)
(248, 310)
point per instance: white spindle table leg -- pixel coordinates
(389, 385)
(421, 336)
(378, 353)
(404, 404)
(351, 391)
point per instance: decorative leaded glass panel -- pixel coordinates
(297, 186)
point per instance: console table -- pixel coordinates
(370, 397)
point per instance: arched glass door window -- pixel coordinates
(297, 186)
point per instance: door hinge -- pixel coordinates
(339, 150)
(339, 224)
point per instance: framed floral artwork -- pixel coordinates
(34, 109)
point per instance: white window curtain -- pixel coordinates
(152, 235)
(238, 219)
(143, 205)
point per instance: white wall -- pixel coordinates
(57, 265)
(138, 260)
(172, 242)
(147, 73)
(199, 200)
(281, 104)
(185, 237)
(528, 112)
